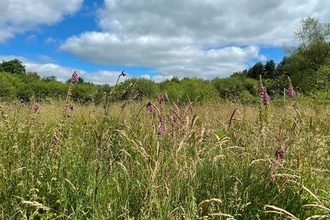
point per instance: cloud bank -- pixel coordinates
(199, 38)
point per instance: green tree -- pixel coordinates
(49, 78)
(312, 52)
(269, 71)
(198, 90)
(25, 92)
(173, 88)
(137, 88)
(240, 74)
(256, 71)
(13, 66)
(281, 67)
(236, 88)
(8, 90)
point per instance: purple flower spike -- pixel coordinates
(166, 97)
(56, 138)
(291, 92)
(160, 99)
(262, 93)
(75, 77)
(279, 155)
(36, 108)
(150, 106)
(266, 99)
(161, 126)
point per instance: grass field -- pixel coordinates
(164, 161)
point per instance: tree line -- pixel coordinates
(307, 63)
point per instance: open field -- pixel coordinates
(164, 161)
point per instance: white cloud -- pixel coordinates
(184, 38)
(18, 16)
(170, 56)
(50, 40)
(203, 38)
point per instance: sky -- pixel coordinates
(154, 39)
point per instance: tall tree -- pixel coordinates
(269, 69)
(312, 52)
(13, 66)
(256, 71)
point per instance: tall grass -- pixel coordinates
(171, 160)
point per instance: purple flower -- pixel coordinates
(279, 155)
(160, 99)
(75, 77)
(261, 89)
(166, 97)
(266, 99)
(262, 93)
(150, 106)
(56, 138)
(36, 108)
(161, 126)
(291, 92)
(71, 107)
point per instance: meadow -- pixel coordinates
(164, 159)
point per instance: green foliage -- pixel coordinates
(25, 92)
(197, 90)
(256, 71)
(269, 71)
(173, 88)
(281, 68)
(8, 84)
(310, 55)
(138, 88)
(194, 89)
(14, 67)
(236, 89)
(83, 92)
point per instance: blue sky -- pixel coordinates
(155, 39)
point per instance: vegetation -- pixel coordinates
(245, 147)
(164, 159)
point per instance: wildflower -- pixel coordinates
(291, 92)
(166, 97)
(160, 99)
(36, 108)
(279, 155)
(56, 138)
(150, 106)
(262, 93)
(160, 131)
(266, 99)
(161, 126)
(75, 77)
(71, 107)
